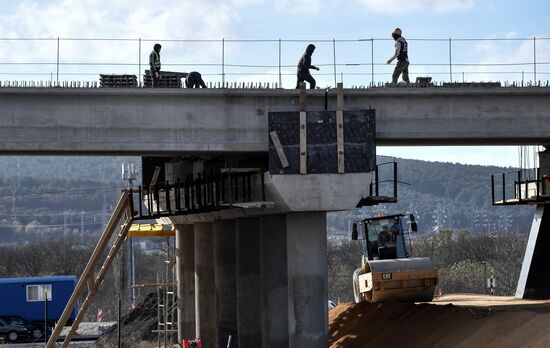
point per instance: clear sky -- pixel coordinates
(316, 21)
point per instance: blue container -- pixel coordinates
(25, 296)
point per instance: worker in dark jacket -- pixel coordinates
(154, 64)
(303, 68)
(401, 53)
(194, 80)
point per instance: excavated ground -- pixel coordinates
(136, 329)
(449, 321)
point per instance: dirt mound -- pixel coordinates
(136, 328)
(429, 325)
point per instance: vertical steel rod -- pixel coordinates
(493, 188)
(57, 71)
(535, 61)
(334, 60)
(450, 61)
(372, 60)
(223, 63)
(139, 63)
(280, 77)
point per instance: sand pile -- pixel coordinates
(429, 325)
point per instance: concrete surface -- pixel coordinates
(205, 288)
(226, 281)
(178, 121)
(249, 283)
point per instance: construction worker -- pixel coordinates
(401, 53)
(194, 80)
(154, 64)
(303, 68)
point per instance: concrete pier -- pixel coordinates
(307, 279)
(205, 287)
(185, 276)
(249, 283)
(274, 281)
(226, 282)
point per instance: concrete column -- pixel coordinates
(205, 289)
(249, 291)
(185, 277)
(226, 282)
(274, 281)
(307, 279)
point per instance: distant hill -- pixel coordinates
(457, 195)
(68, 190)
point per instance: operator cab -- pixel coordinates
(383, 237)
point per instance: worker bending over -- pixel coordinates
(194, 80)
(401, 53)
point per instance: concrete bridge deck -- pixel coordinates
(137, 121)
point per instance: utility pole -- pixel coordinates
(129, 174)
(82, 224)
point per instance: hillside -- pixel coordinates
(456, 195)
(62, 194)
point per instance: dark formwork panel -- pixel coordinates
(322, 148)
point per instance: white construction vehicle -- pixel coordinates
(387, 272)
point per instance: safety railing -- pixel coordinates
(74, 62)
(525, 186)
(200, 193)
(383, 187)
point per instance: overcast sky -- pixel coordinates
(305, 20)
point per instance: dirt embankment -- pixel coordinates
(429, 325)
(136, 329)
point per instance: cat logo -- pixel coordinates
(386, 276)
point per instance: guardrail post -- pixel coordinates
(334, 60)
(280, 78)
(223, 62)
(57, 63)
(450, 61)
(372, 60)
(139, 63)
(534, 61)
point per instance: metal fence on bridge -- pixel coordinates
(226, 62)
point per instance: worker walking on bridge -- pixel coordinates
(194, 80)
(401, 53)
(154, 64)
(303, 68)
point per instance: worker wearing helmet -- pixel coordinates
(154, 64)
(401, 53)
(304, 64)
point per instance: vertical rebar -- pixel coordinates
(450, 61)
(535, 61)
(57, 70)
(223, 63)
(280, 77)
(334, 60)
